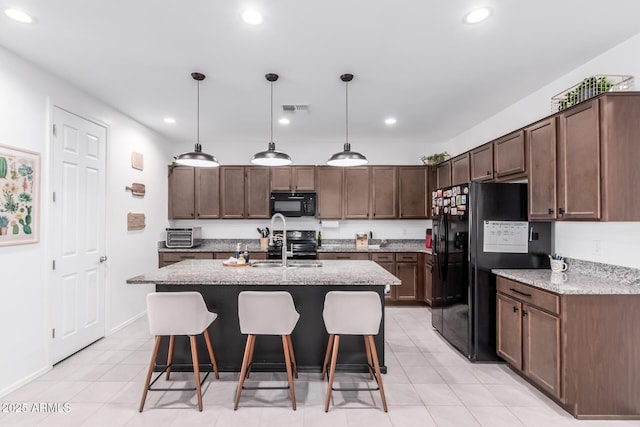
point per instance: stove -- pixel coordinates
(301, 243)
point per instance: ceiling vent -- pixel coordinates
(295, 108)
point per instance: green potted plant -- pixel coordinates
(434, 159)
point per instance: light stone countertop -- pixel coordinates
(572, 282)
(212, 272)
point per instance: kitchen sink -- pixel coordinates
(290, 264)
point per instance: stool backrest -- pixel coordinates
(177, 313)
(267, 313)
(352, 312)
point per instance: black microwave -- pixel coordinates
(293, 204)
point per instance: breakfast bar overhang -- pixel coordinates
(308, 284)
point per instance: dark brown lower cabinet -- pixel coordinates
(427, 279)
(581, 350)
(407, 272)
(168, 258)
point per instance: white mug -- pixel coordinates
(558, 266)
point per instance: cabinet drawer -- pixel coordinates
(533, 296)
(406, 257)
(179, 256)
(343, 255)
(384, 257)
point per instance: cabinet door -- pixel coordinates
(356, 193)
(412, 198)
(579, 160)
(281, 178)
(257, 191)
(444, 174)
(384, 194)
(343, 255)
(509, 155)
(482, 163)
(428, 279)
(329, 191)
(407, 272)
(304, 178)
(509, 330)
(541, 347)
(182, 193)
(207, 193)
(232, 191)
(541, 140)
(460, 170)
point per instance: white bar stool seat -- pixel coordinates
(352, 313)
(267, 313)
(178, 313)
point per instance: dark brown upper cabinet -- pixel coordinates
(413, 187)
(232, 198)
(244, 191)
(509, 156)
(329, 189)
(541, 141)
(194, 193)
(356, 193)
(293, 178)
(257, 191)
(384, 192)
(460, 169)
(482, 163)
(444, 174)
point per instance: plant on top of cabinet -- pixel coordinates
(434, 159)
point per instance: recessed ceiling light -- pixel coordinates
(169, 120)
(390, 121)
(18, 15)
(284, 121)
(252, 17)
(477, 15)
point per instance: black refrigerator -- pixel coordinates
(478, 227)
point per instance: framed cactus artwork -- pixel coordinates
(19, 196)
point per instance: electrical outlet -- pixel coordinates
(597, 247)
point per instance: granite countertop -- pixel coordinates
(579, 282)
(212, 272)
(253, 245)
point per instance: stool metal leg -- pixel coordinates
(367, 349)
(196, 370)
(243, 370)
(287, 361)
(212, 356)
(172, 341)
(332, 371)
(156, 347)
(374, 354)
(293, 356)
(326, 356)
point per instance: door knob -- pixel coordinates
(103, 258)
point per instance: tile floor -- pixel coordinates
(428, 384)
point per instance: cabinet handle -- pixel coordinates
(561, 211)
(488, 173)
(192, 215)
(342, 257)
(520, 292)
(550, 211)
(524, 313)
(187, 257)
(515, 309)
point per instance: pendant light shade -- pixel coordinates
(271, 157)
(347, 157)
(197, 158)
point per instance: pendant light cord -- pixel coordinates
(346, 124)
(271, 140)
(198, 115)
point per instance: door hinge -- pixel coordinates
(53, 264)
(54, 196)
(55, 130)
(53, 333)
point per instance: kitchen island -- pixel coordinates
(308, 283)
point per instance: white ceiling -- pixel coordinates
(412, 59)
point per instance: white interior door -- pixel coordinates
(78, 224)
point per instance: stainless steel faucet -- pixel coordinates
(284, 237)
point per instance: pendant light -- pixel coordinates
(271, 157)
(196, 157)
(347, 157)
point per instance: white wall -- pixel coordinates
(28, 96)
(575, 240)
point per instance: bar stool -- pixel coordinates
(267, 313)
(178, 313)
(352, 313)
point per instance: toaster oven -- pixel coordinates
(186, 237)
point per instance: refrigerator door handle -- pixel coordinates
(445, 265)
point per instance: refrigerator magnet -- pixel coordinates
(446, 210)
(454, 211)
(463, 199)
(458, 200)
(465, 190)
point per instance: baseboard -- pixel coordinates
(13, 387)
(127, 323)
